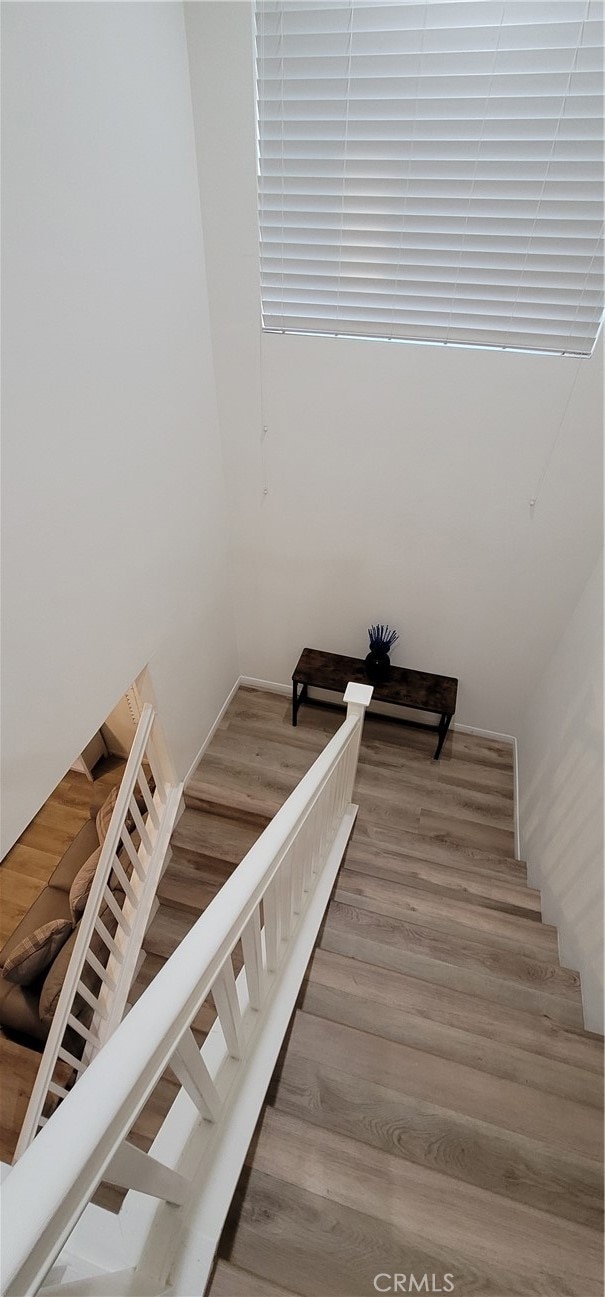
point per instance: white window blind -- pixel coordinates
(433, 171)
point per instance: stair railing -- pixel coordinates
(270, 909)
(110, 936)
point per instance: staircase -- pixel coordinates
(436, 1110)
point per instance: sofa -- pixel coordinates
(28, 1009)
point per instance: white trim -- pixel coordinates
(484, 734)
(212, 731)
(250, 682)
(518, 846)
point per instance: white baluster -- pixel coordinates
(253, 959)
(224, 994)
(131, 1168)
(190, 1069)
(298, 855)
(285, 894)
(271, 912)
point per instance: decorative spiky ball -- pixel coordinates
(382, 639)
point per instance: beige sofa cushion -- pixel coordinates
(51, 990)
(36, 951)
(77, 853)
(80, 888)
(105, 814)
(52, 903)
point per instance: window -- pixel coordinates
(433, 171)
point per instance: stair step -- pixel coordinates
(469, 966)
(467, 833)
(455, 917)
(188, 891)
(324, 1249)
(436, 850)
(377, 784)
(476, 887)
(406, 1011)
(572, 1128)
(371, 1013)
(377, 752)
(167, 929)
(201, 836)
(385, 1114)
(212, 799)
(244, 787)
(507, 1238)
(229, 1281)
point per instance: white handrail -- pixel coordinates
(132, 916)
(86, 1137)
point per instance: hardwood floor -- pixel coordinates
(27, 867)
(437, 1106)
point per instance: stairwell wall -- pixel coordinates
(561, 774)
(377, 481)
(116, 549)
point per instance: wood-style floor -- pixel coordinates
(437, 1108)
(24, 873)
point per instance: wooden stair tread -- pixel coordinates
(489, 807)
(563, 1124)
(479, 887)
(505, 1236)
(199, 835)
(435, 849)
(188, 892)
(230, 1281)
(527, 1031)
(467, 832)
(500, 1161)
(282, 1232)
(470, 966)
(420, 1021)
(457, 917)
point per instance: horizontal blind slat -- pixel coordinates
(432, 171)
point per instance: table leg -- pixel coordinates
(444, 725)
(295, 701)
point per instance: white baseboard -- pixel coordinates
(271, 686)
(484, 734)
(518, 843)
(212, 731)
(268, 685)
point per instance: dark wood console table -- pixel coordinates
(416, 689)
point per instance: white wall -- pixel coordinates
(394, 479)
(116, 545)
(561, 772)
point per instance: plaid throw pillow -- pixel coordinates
(36, 952)
(105, 814)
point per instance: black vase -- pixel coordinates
(378, 666)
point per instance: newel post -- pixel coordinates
(357, 698)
